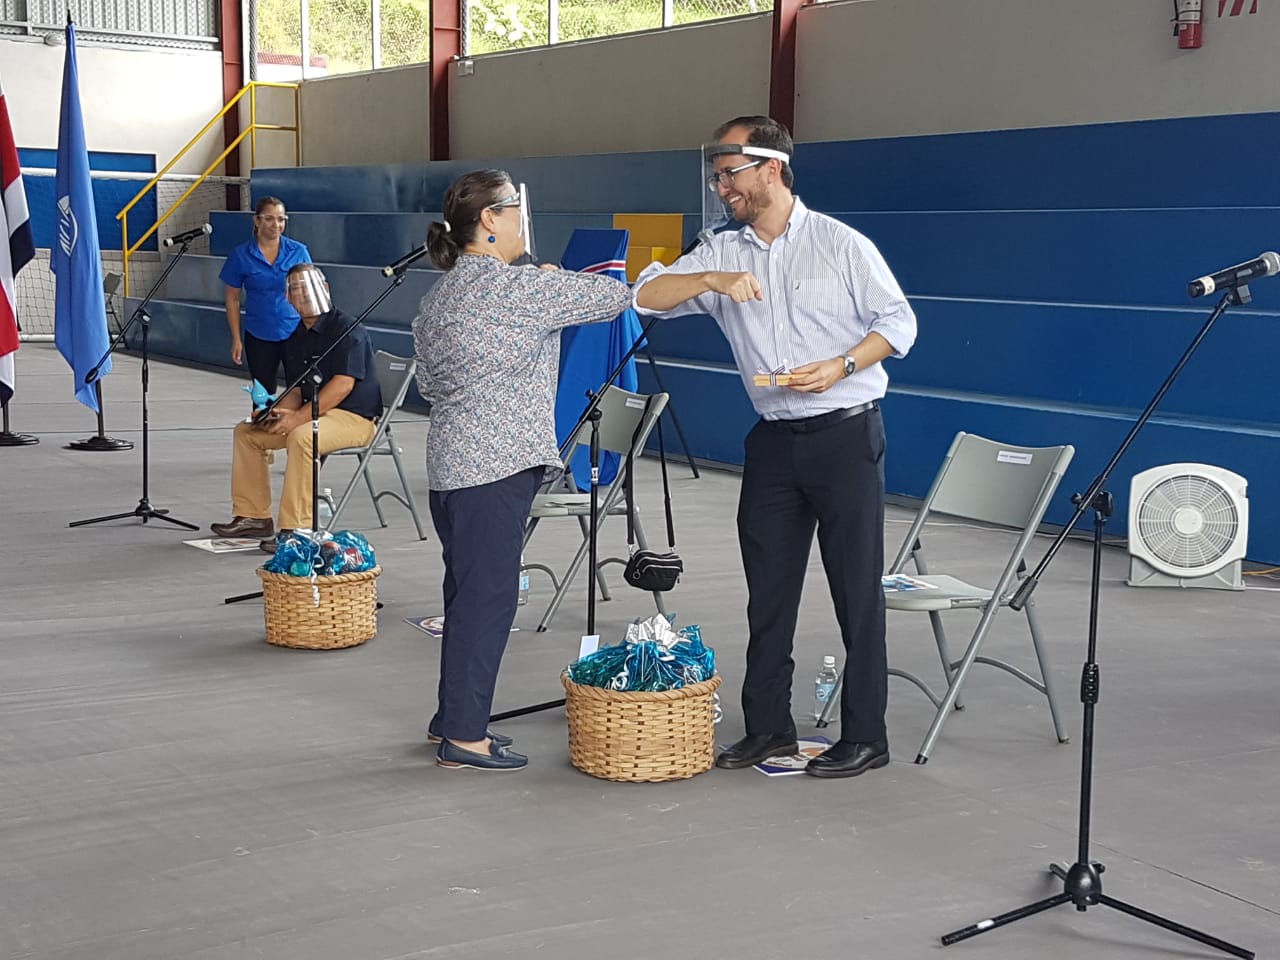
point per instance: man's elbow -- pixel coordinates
(645, 299)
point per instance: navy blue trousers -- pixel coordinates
(793, 481)
(481, 531)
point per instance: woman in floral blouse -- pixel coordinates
(487, 339)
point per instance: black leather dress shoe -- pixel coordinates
(247, 527)
(755, 747)
(844, 758)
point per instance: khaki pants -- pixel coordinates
(251, 482)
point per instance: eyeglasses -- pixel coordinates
(268, 219)
(725, 177)
(505, 202)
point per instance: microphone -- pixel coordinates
(401, 265)
(1264, 265)
(201, 231)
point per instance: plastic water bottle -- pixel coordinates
(324, 509)
(824, 686)
(523, 597)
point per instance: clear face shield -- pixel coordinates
(308, 292)
(720, 163)
(520, 199)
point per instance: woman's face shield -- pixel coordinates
(721, 162)
(520, 199)
(308, 293)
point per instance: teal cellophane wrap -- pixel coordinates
(654, 656)
(303, 553)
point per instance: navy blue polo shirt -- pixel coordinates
(353, 357)
(267, 313)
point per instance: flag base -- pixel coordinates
(100, 443)
(8, 439)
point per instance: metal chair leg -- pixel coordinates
(1046, 675)
(940, 638)
(953, 689)
(410, 501)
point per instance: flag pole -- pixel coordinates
(8, 439)
(100, 441)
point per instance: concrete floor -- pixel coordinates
(172, 786)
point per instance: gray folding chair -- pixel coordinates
(395, 374)
(626, 420)
(992, 483)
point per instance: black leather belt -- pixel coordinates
(824, 420)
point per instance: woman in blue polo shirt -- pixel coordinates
(261, 265)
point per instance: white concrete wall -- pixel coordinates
(649, 91)
(377, 117)
(866, 68)
(134, 99)
(886, 68)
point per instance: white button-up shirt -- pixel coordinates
(825, 287)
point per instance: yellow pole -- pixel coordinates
(297, 125)
(253, 128)
(124, 248)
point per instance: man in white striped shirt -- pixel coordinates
(800, 292)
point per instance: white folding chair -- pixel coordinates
(626, 419)
(395, 374)
(989, 482)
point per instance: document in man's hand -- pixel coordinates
(900, 583)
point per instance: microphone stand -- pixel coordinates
(590, 415)
(144, 510)
(1082, 881)
(312, 372)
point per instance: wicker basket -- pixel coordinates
(346, 615)
(624, 735)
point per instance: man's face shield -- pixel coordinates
(520, 199)
(721, 163)
(308, 292)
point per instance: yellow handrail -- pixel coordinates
(251, 132)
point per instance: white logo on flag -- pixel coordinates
(68, 228)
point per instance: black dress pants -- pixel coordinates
(264, 358)
(481, 531)
(825, 473)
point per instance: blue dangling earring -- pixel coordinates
(492, 238)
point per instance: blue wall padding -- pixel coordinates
(1048, 269)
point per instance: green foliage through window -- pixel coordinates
(341, 29)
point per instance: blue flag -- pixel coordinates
(589, 353)
(80, 311)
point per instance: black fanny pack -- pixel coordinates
(648, 569)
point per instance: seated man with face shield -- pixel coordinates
(350, 402)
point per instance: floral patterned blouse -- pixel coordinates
(487, 339)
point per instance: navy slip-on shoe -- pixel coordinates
(453, 757)
(501, 739)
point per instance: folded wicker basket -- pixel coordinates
(626, 735)
(345, 616)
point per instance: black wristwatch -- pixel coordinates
(849, 365)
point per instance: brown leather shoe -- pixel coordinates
(269, 544)
(244, 527)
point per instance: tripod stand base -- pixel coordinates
(1082, 886)
(8, 439)
(144, 511)
(101, 443)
